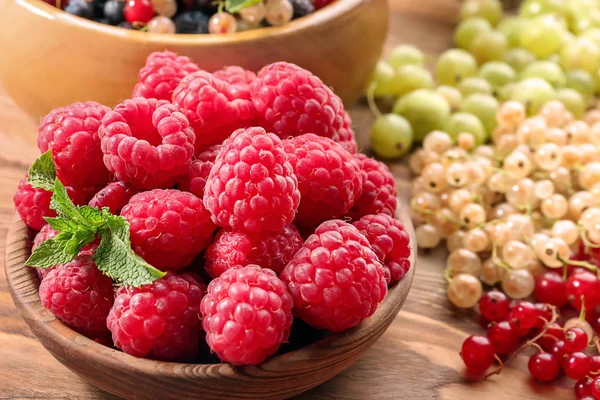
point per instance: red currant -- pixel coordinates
(477, 353)
(524, 317)
(550, 288)
(553, 334)
(577, 366)
(494, 306)
(558, 350)
(583, 284)
(503, 338)
(595, 364)
(583, 387)
(596, 388)
(575, 340)
(138, 11)
(543, 367)
(544, 315)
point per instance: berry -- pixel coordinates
(329, 179)
(235, 75)
(81, 8)
(140, 11)
(346, 135)
(575, 340)
(550, 288)
(247, 315)
(553, 334)
(503, 338)
(160, 320)
(273, 250)
(72, 133)
(321, 3)
(390, 242)
(221, 23)
(114, 196)
(494, 306)
(191, 22)
(391, 136)
(477, 353)
(543, 367)
(586, 285)
(577, 366)
(595, 388)
(291, 101)
(252, 186)
(379, 193)
(214, 107)
(278, 12)
(34, 204)
(524, 317)
(583, 387)
(44, 234)
(168, 227)
(335, 279)
(161, 75)
(558, 350)
(302, 7)
(78, 294)
(113, 11)
(147, 143)
(195, 181)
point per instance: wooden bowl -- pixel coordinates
(51, 58)
(281, 376)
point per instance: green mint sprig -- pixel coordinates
(234, 6)
(78, 226)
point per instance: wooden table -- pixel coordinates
(417, 358)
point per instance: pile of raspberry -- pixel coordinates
(245, 189)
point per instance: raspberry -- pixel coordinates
(329, 178)
(147, 143)
(252, 186)
(72, 133)
(246, 314)
(214, 107)
(271, 250)
(346, 135)
(44, 234)
(335, 279)
(235, 75)
(379, 195)
(79, 294)
(290, 101)
(195, 181)
(114, 196)
(161, 75)
(159, 320)
(389, 241)
(34, 204)
(168, 227)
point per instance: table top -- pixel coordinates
(417, 358)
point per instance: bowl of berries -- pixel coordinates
(94, 60)
(235, 256)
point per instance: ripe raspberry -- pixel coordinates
(44, 234)
(161, 75)
(329, 178)
(236, 75)
(389, 241)
(72, 133)
(335, 279)
(290, 101)
(168, 227)
(214, 107)
(34, 204)
(159, 320)
(79, 294)
(346, 135)
(195, 181)
(273, 250)
(246, 314)
(114, 196)
(147, 143)
(379, 195)
(252, 186)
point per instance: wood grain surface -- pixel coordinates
(417, 358)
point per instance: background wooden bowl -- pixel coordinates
(50, 58)
(281, 376)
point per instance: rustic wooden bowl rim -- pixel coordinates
(320, 17)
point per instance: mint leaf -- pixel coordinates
(52, 252)
(234, 6)
(116, 259)
(61, 224)
(93, 216)
(42, 172)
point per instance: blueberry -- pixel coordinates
(192, 22)
(98, 8)
(113, 11)
(302, 7)
(81, 8)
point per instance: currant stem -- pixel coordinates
(584, 238)
(371, 100)
(447, 273)
(497, 260)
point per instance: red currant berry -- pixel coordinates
(550, 288)
(558, 350)
(494, 306)
(543, 367)
(583, 387)
(524, 317)
(584, 285)
(595, 364)
(477, 353)
(575, 340)
(596, 388)
(503, 338)
(138, 11)
(577, 366)
(553, 334)
(544, 315)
